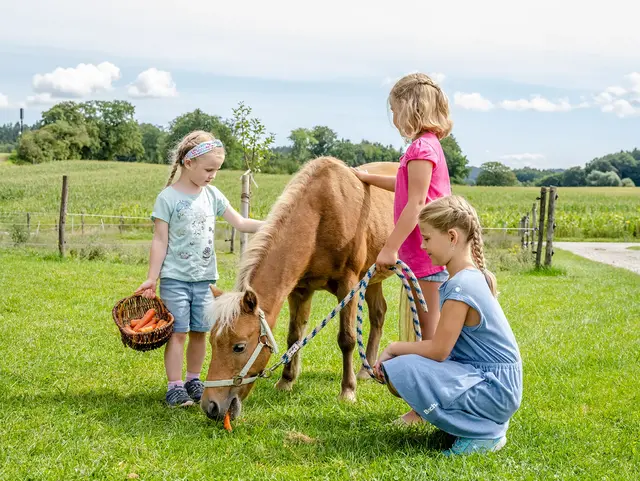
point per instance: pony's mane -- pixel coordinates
(226, 307)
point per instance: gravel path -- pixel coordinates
(613, 253)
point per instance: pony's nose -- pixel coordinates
(211, 409)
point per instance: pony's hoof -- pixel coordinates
(363, 375)
(348, 396)
(284, 385)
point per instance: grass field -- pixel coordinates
(78, 405)
(130, 189)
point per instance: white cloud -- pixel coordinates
(286, 42)
(619, 100)
(473, 101)
(81, 81)
(41, 99)
(616, 90)
(537, 103)
(4, 101)
(622, 108)
(524, 156)
(153, 83)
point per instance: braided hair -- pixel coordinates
(452, 212)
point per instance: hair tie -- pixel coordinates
(202, 148)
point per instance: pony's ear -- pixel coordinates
(215, 291)
(249, 301)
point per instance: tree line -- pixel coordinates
(621, 169)
(107, 130)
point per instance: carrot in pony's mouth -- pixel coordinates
(227, 421)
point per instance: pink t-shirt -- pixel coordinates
(427, 147)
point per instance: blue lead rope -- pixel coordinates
(402, 271)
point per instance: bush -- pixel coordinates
(627, 182)
(19, 234)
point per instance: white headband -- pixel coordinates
(202, 148)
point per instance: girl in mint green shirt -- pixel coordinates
(183, 256)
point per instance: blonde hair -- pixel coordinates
(420, 106)
(452, 212)
(187, 143)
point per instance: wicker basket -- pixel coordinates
(134, 307)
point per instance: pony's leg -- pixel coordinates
(347, 337)
(377, 310)
(299, 309)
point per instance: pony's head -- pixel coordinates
(241, 344)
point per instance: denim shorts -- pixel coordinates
(437, 277)
(187, 302)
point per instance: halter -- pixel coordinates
(240, 379)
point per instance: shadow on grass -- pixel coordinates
(307, 420)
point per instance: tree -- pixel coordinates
(119, 134)
(574, 177)
(153, 140)
(551, 179)
(57, 141)
(495, 173)
(251, 136)
(456, 161)
(303, 142)
(110, 126)
(627, 182)
(345, 151)
(199, 120)
(325, 139)
(603, 179)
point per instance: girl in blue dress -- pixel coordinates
(467, 379)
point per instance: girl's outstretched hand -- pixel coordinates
(360, 174)
(147, 289)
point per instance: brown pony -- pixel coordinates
(324, 232)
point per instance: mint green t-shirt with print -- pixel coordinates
(191, 255)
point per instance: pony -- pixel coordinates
(323, 233)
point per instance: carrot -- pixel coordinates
(162, 323)
(146, 319)
(150, 314)
(134, 322)
(148, 328)
(227, 421)
(128, 330)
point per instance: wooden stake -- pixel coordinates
(551, 225)
(543, 201)
(63, 214)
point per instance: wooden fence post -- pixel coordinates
(551, 225)
(521, 229)
(63, 214)
(533, 225)
(82, 220)
(28, 223)
(232, 240)
(121, 226)
(543, 201)
(244, 207)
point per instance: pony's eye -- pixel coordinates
(239, 347)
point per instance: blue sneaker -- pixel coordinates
(470, 446)
(178, 397)
(194, 388)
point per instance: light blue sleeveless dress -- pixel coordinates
(476, 391)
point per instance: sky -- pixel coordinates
(550, 84)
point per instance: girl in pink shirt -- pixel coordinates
(421, 115)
